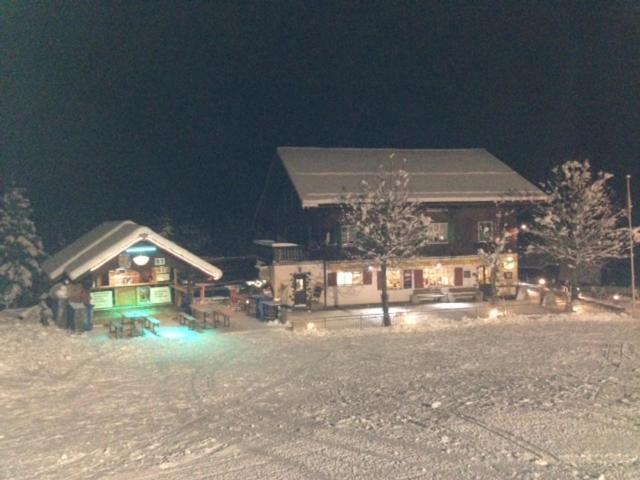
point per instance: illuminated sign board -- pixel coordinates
(102, 299)
(159, 295)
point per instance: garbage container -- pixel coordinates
(88, 323)
(283, 314)
(260, 308)
(269, 310)
(76, 316)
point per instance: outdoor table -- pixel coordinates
(131, 321)
(203, 311)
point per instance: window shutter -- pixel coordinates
(418, 281)
(367, 277)
(332, 279)
(379, 280)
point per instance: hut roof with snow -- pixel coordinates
(109, 239)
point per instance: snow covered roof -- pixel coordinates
(320, 175)
(108, 240)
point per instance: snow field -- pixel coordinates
(520, 397)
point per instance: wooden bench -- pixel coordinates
(115, 328)
(186, 319)
(427, 294)
(464, 293)
(152, 324)
(220, 318)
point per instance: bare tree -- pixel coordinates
(491, 254)
(387, 225)
(579, 225)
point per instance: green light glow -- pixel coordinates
(143, 312)
(178, 333)
(146, 248)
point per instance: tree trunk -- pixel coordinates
(494, 281)
(386, 319)
(572, 289)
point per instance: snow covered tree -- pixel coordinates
(20, 249)
(387, 225)
(491, 254)
(578, 225)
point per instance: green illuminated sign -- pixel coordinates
(143, 248)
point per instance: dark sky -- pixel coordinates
(114, 110)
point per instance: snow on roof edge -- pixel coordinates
(141, 233)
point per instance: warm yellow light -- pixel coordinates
(409, 319)
(311, 326)
(494, 313)
(542, 281)
(616, 296)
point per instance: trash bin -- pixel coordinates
(260, 308)
(283, 314)
(269, 310)
(76, 316)
(88, 323)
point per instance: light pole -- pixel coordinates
(633, 273)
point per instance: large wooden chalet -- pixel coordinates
(305, 248)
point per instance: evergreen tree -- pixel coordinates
(21, 249)
(387, 225)
(579, 225)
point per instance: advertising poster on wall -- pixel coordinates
(102, 299)
(160, 295)
(144, 295)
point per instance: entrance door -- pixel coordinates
(457, 276)
(300, 288)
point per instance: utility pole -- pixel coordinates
(633, 273)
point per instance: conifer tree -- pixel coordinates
(21, 249)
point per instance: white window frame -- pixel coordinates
(438, 232)
(349, 279)
(347, 234)
(481, 236)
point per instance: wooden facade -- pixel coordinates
(311, 243)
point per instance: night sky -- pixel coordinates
(136, 110)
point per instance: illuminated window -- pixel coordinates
(349, 278)
(435, 276)
(485, 231)
(438, 232)
(394, 279)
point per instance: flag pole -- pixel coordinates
(633, 273)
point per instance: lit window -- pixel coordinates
(435, 276)
(394, 279)
(438, 232)
(347, 279)
(485, 231)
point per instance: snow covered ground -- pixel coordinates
(521, 397)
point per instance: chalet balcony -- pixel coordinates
(280, 252)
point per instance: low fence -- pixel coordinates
(397, 318)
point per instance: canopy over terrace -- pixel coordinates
(123, 264)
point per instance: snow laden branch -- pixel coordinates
(500, 240)
(386, 223)
(21, 249)
(579, 225)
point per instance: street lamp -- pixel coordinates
(631, 241)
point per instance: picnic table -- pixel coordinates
(210, 314)
(133, 324)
